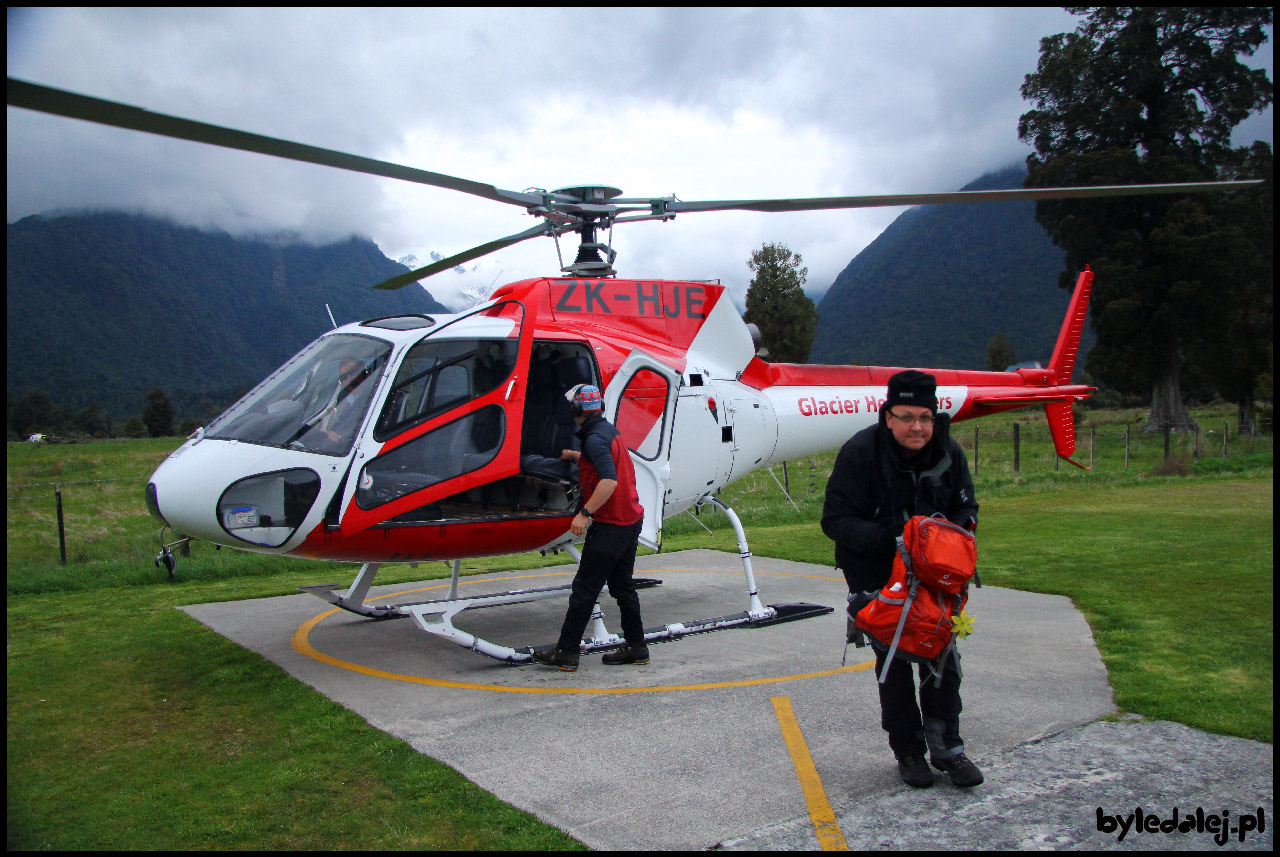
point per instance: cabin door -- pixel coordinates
(640, 401)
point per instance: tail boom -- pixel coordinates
(980, 393)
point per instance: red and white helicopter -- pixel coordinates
(415, 438)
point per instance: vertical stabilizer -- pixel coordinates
(1063, 364)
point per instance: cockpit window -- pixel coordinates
(316, 402)
(438, 374)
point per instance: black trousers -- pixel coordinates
(935, 724)
(608, 556)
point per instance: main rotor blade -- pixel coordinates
(962, 196)
(33, 96)
(465, 256)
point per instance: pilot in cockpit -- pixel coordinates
(339, 418)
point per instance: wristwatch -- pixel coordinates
(584, 511)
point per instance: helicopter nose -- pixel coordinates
(153, 503)
(239, 495)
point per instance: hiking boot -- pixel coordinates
(556, 657)
(628, 654)
(915, 772)
(963, 773)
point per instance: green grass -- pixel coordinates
(1173, 574)
(1175, 581)
(131, 725)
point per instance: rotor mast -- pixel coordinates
(592, 211)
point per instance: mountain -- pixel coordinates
(103, 306)
(935, 286)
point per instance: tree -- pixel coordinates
(134, 427)
(158, 414)
(1266, 390)
(92, 421)
(1000, 354)
(1146, 95)
(1236, 238)
(777, 304)
(33, 412)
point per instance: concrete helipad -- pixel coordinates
(692, 751)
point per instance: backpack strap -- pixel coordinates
(941, 666)
(904, 553)
(902, 622)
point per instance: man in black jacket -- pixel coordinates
(906, 465)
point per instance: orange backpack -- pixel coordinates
(915, 613)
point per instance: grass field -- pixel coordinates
(130, 725)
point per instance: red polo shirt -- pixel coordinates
(605, 456)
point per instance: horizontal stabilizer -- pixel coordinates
(1046, 399)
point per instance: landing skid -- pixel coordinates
(756, 615)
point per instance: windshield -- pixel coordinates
(316, 402)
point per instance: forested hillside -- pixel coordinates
(941, 280)
(103, 306)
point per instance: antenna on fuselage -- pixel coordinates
(326, 309)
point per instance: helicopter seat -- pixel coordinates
(542, 439)
(571, 372)
(538, 434)
(550, 469)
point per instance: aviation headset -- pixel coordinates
(583, 398)
(364, 370)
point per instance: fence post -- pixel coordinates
(1091, 431)
(1016, 451)
(62, 535)
(975, 450)
(1253, 434)
(1126, 446)
(1195, 447)
(786, 480)
(1225, 431)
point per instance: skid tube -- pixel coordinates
(757, 615)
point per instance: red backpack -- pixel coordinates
(914, 614)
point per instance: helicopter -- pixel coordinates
(415, 438)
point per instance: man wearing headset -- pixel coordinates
(610, 517)
(339, 421)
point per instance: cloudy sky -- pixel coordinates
(706, 104)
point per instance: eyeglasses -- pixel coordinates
(926, 420)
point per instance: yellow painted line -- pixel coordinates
(302, 645)
(815, 796)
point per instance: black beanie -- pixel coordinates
(914, 388)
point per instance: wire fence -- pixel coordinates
(1112, 446)
(94, 520)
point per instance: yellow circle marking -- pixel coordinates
(303, 646)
